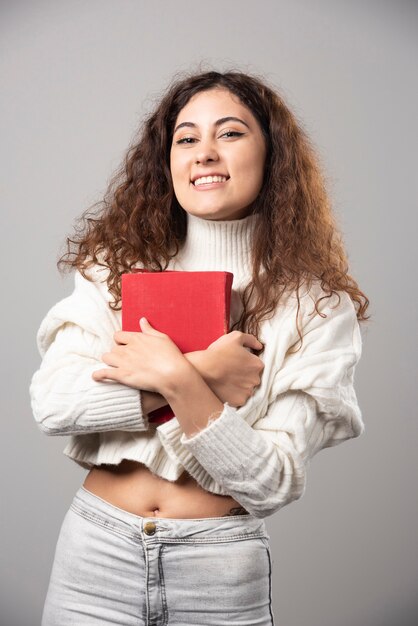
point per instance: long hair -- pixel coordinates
(296, 240)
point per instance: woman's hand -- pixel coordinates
(146, 360)
(231, 370)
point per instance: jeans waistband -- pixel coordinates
(205, 529)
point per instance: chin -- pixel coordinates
(208, 215)
(221, 214)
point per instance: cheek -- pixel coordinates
(179, 172)
(258, 171)
(251, 174)
(251, 162)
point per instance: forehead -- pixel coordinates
(212, 103)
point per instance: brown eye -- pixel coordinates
(232, 133)
(185, 140)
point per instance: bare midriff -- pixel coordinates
(133, 487)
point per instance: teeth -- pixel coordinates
(209, 179)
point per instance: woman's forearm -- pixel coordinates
(151, 401)
(191, 399)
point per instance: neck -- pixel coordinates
(218, 245)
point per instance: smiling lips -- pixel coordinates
(205, 182)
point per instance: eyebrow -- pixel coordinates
(222, 120)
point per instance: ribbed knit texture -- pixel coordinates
(258, 453)
(214, 245)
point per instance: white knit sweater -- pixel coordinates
(258, 453)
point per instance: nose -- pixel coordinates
(206, 151)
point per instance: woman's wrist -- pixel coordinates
(191, 399)
(174, 381)
(202, 362)
(151, 401)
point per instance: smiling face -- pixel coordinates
(217, 156)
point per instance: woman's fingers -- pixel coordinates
(143, 360)
(249, 341)
(111, 358)
(123, 337)
(147, 328)
(110, 374)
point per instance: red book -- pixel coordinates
(192, 308)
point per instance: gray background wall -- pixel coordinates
(77, 77)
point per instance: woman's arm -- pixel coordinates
(227, 367)
(263, 471)
(67, 401)
(65, 398)
(313, 406)
(71, 339)
(151, 361)
(262, 466)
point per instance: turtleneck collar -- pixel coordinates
(218, 245)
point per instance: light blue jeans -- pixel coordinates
(114, 567)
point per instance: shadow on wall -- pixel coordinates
(406, 615)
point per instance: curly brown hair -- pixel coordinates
(296, 239)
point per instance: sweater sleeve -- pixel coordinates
(71, 340)
(313, 406)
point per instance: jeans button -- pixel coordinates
(149, 528)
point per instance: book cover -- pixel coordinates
(192, 308)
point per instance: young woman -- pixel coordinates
(168, 527)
